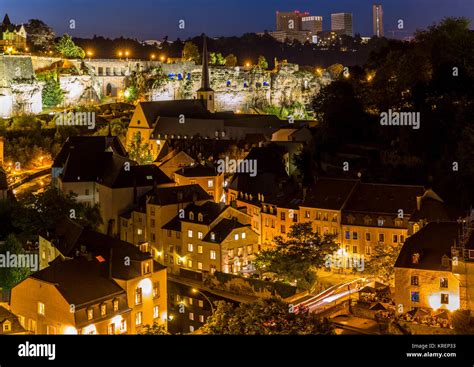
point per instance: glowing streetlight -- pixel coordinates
(162, 58)
(194, 290)
(90, 54)
(248, 64)
(120, 53)
(153, 56)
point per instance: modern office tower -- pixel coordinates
(341, 23)
(289, 21)
(378, 20)
(312, 23)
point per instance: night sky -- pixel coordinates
(153, 19)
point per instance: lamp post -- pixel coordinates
(194, 290)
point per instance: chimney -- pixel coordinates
(418, 202)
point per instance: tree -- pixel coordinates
(231, 60)
(40, 212)
(191, 52)
(382, 261)
(10, 276)
(216, 59)
(40, 35)
(298, 257)
(139, 151)
(262, 62)
(155, 329)
(269, 316)
(68, 49)
(52, 95)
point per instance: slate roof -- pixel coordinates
(6, 315)
(329, 193)
(198, 170)
(178, 194)
(432, 242)
(223, 229)
(8, 26)
(210, 211)
(434, 210)
(80, 281)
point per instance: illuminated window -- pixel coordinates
(200, 235)
(191, 329)
(139, 231)
(236, 237)
(199, 249)
(190, 233)
(138, 296)
(103, 309)
(156, 289)
(111, 329)
(201, 318)
(41, 308)
(444, 298)
(213, 255)
(201, 303)
(191, 216)
(146, 268)
(443, 282)
(116, 305)
(200, 216)
(123, 326)
(156, 312)
(90, 314)
(213, 236)
(213, 269)
(210, 183)
(190, 247)
(7, 326)
(199, 265)
(415, 296)
(414, 280)
(138, 318)
(190, 263)
(191, 316)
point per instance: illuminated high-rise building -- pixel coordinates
(378, 20)
(341, 23)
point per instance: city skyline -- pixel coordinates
(148, 22)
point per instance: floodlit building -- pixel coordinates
(13, 37)
(377, 13)
(205, 176)
(341, 23)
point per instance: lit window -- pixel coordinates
(138, 318)
(443, 282)
(90, 314)
(123, 326)
(156, 312)
(139, 231)
(249, 249)
(191, 316)
(415, 296)
(116, 305)
(199, 249)
(244, 235)
(213, 254)
(190, 247)
(210, 183)
(41, 308)
(190, 263)
(201, 318)
(199, 265)
(444, 298)
(156, 289)
(200, 235)
(7, 326)
(190, 233)
(191, 329)
(138, 296)
(236, 237)
(103, 309)
(146, 268)
(213, 236)
(414, 280)
(201, 303)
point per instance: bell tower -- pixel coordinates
(205, 93)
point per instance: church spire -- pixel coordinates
(205, 85)
(206, 93)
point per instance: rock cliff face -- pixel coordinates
(20, 92)
(79, 89)
(239, 89)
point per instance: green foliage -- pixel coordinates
(382, 261)
(10, 276)
(139, 151)
(231, 60)
(298, 257)
(68, 49)
(40, 35)
(216, 59)
(139, 84)
(191, 52)
(262, 62)
(52, 94)
(155, 329)
(268, 316)
(40, 212)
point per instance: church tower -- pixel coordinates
(205, 92)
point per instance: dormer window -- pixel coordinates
(445, 260)
(146, 268)
(191, 216)
(115, 304)
(90, 314)
(7, 326)
(415, 258)
(200, 217)
(213, 236)
(103, 309)
(380, 222)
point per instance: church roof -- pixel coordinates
(205, 85)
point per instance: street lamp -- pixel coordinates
(194, 290)
(120, 53)
(90, 54)
(162, 58)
